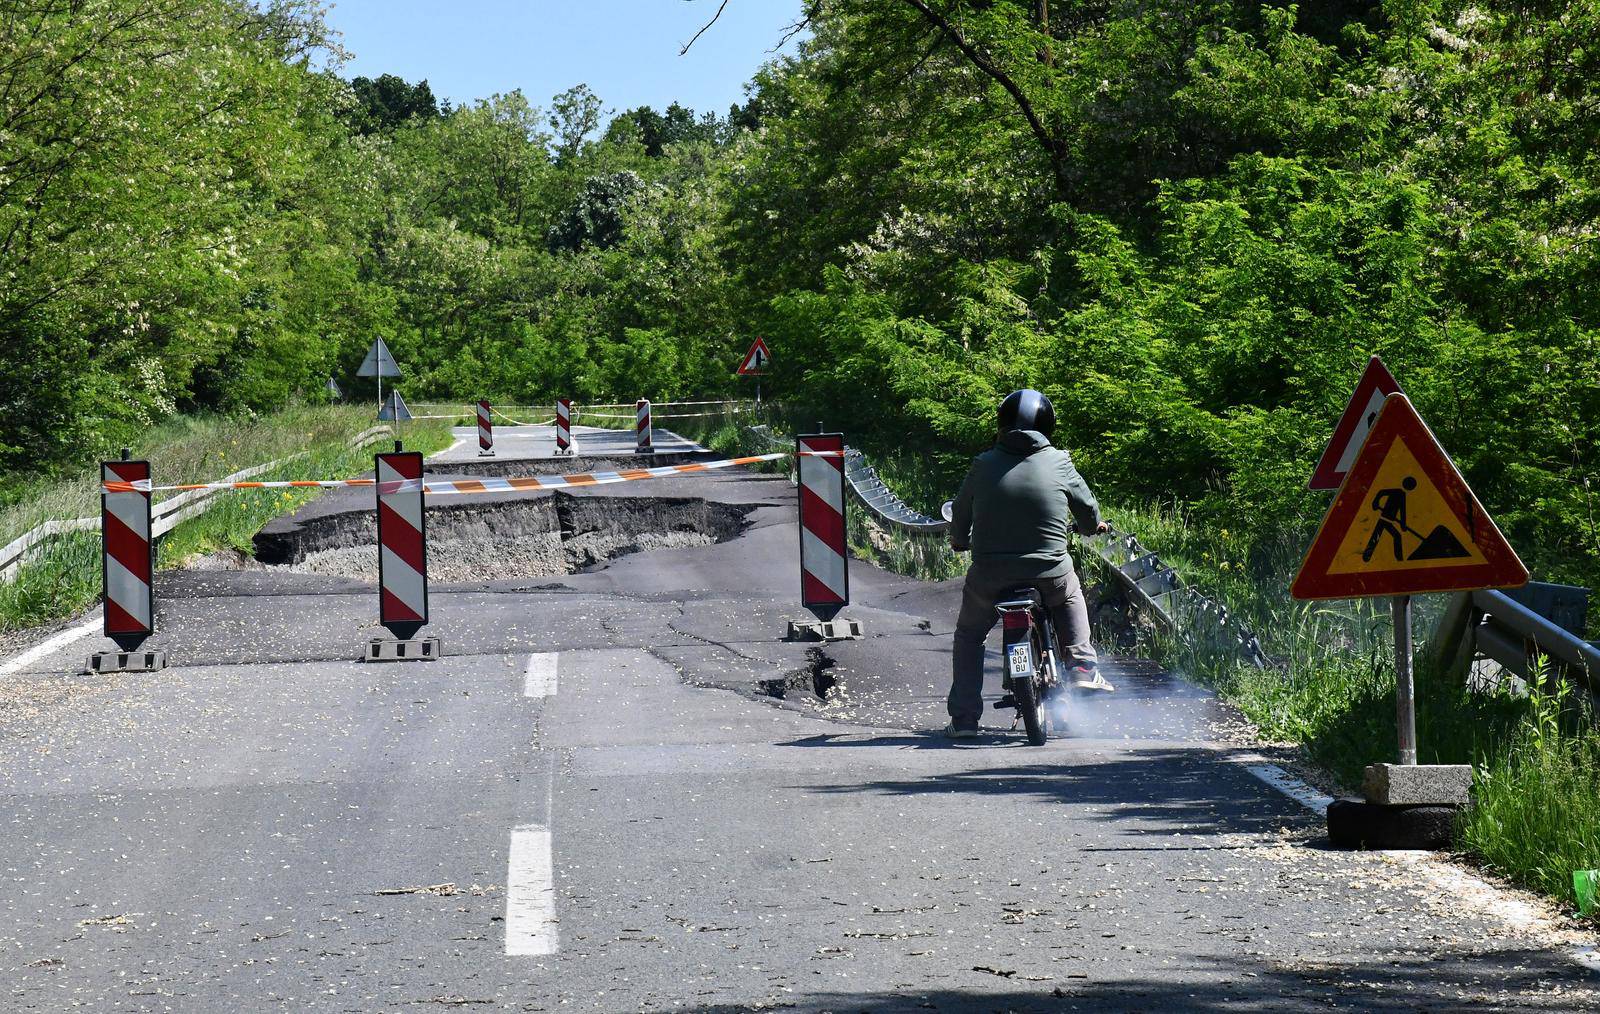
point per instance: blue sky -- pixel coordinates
(625, 50)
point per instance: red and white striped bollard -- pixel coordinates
(642, 427)
(563, 425)
(402, 559)
(127, 569)
(485, 431)
(824, 551)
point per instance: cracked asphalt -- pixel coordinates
(269, 824)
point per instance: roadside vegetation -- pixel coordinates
(1190, 223)
(313, 442)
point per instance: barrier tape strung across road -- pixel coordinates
(628, 404)
(518, 422)
(582, 415)
(490, 485)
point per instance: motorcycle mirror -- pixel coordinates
(947, 510)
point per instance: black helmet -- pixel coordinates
(1027, 409)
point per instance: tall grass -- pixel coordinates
(64, 576)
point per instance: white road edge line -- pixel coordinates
(452, 448)
(530, 894)
(1294, 788)
(1451, 880)
(540, 678)
(38, 651)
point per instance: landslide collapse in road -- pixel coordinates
(501, 536)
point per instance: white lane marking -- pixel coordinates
(1292, 787)
(61, 640)
(540, 678)
(530, 894)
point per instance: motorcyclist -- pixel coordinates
(1015, 512)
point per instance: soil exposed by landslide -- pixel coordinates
(487, 539)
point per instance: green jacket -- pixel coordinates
(1016, 507)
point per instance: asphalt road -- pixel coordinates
(597, 801)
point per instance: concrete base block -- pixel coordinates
(1357, 824)
(1418, 784)
(126, 661)
(824, 630)
(388, 649)
(485, 454)
(566, 453)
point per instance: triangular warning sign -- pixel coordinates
(1404, 522)
(756, 360)
(379, 362)
(394, 408)
(1376, 384)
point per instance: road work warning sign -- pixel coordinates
(1404, 522)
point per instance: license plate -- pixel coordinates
(1021, 659)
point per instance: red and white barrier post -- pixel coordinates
(642, 426)
(563, 425)
(127, 573)
(824, 551)
(402, 559)
(485, 431)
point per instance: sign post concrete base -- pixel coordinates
(824, 630)
(125, 661)
(390, 649)
(1418, 784)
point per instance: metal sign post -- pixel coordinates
(379, 363)
(1405, 697)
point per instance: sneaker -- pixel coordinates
(1087, 677)
(955, 731)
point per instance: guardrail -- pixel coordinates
(1152, 586)
(164, 516)
(1493, 625)
(1158, 590)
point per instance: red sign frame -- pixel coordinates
(1375, 380)
(1398, 420)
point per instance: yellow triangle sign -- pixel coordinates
(1404, 522)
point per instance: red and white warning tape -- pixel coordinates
(440, 486)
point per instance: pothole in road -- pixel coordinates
(485, 541)
(812, 683)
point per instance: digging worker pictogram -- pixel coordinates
(1391, 507)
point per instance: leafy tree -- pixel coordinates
(387, 102)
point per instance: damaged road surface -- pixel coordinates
(620, 791)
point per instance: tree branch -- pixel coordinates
(703, 29)
(1053, 148)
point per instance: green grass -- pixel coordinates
(64, 577)
(1534, 817)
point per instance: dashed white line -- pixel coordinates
(540, 678)
(530, 894)
(38, 651)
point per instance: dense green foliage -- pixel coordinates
(1189, 222)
